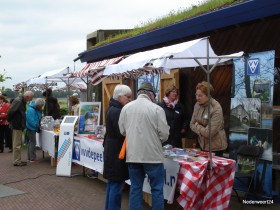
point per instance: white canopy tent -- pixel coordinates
(51, 78)
(188, 54)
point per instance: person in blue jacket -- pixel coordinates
(33, 119)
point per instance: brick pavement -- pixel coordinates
(44, 190)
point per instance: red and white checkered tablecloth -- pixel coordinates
(205, 189)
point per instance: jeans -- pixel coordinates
(155, 174)
(114, 195)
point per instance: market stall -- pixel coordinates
(185, 170)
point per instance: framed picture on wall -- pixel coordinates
(89, 117)
(245, 113)
(261, 89)
(261, 137)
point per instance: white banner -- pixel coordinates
(88, 153)
(171, 169)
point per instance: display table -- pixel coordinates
(48, 142)
(201, 188)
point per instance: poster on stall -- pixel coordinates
(251, 110)
(89, 117)
(251, 104)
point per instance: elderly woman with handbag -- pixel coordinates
(115, 169)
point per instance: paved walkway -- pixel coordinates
(36, 186)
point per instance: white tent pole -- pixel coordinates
(87, 89)
(208, 106)
(68, 88)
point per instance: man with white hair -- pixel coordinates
(33, 119)
(17, 119)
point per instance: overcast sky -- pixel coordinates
(42, 35)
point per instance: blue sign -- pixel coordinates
(76, 150)
(253, 66)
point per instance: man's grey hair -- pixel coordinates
(146, 92)
(121, 90)
(39, 102)
(28, 93)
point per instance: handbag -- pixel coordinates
(123, 150)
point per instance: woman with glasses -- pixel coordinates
(115, 170)
(200, 120)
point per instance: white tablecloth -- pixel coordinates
(46, 141)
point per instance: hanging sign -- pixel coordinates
(253, 66)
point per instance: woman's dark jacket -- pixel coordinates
(114, 168)
(175, 119)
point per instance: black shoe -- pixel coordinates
(20, 164)
(1, 151)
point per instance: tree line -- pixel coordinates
(39, 93)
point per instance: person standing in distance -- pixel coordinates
(144, 124)
(115, 170)
(17, 119)
(4, 125)
(52, 107)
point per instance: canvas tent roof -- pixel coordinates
(94, 71)
(187, 54)
(53, 75)
(49, 78)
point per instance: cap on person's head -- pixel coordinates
(75, 95)
(147, 86)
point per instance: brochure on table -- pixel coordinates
(65, 146)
